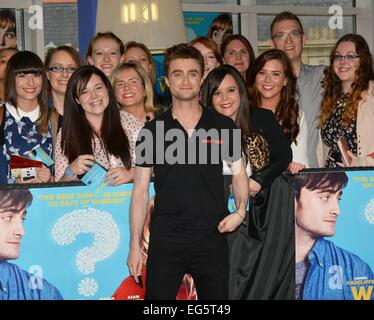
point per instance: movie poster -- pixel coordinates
(334, 214)
(78, 239)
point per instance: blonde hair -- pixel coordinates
(146, 82)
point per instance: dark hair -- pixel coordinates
(77, 134)
(210, 44)
(333, 85)
(19, 198)
(243, 119)
(28, 62)
(183, 51)
(142, 46)
(247, 44)
(7, 19)
(329, 181)
(221, 22)
(105, 35)
(286, 15)
(74, 55)
(287, 110)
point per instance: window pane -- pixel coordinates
(315, 3)
(60, 25)
(321, 38)
(211, 1)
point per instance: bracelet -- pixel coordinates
(240, 215)
(69, 173)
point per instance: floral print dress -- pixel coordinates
(333, 130)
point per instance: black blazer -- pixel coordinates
(265, 123)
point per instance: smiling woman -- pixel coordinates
(92, 130)
(26, 123)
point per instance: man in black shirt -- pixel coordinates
(186, 147)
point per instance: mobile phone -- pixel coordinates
(28, 174)
(344, 148)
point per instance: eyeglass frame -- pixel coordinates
(62, 69)
(282, 36)
(347, 57)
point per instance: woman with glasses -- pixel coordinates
(237, 51)
(347, 114)
(26, 123)
(60, 64)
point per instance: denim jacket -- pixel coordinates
(336, 274)
(17, 284)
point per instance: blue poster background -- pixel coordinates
(355, 225)
(63, 221)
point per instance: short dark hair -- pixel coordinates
(8, 20)
(286, 15)
(28, 62)
(20, 198)
(329, 181)
(183, 51)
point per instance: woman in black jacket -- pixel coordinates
(267, 154)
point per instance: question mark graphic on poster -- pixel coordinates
(107, 236)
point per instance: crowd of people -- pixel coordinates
(291, 116)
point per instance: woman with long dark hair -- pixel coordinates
(92, 130)
(237, 51)
(273, 87)
(267, 154)
(348, 105)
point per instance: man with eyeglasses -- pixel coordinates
(325, 271)
(287, 34)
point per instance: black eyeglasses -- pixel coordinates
(59, 69)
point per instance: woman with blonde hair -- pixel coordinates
(348, 105)
(134, 93)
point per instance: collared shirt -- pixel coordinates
(336, 274)
(17, 284)
(21, 134)
(190, 198)
(310, 94)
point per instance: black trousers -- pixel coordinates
(206, 260)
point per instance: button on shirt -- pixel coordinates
(15, 284)
(332, 273)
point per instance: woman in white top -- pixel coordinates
(92, 130)
(273, 87)
(134, 93)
